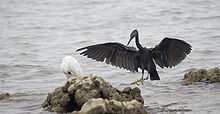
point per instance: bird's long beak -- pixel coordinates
(129, 41)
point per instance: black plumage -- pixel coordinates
(168, 53)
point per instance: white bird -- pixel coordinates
(70, 67)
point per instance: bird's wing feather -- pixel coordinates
(170, 52)
(115, 54)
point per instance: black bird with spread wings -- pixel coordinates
(168, 53)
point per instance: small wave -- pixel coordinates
(26, 94)
(32, 107)
(5, 66)
(189, 69)
(22, 55)
(153, 110)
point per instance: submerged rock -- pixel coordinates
(202, 75)
(76, 93)
(4, 95)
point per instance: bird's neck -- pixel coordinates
(137, 43)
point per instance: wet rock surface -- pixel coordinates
(4, 95)
(202, 75)
(92, 91)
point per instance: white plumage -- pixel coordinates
(70, 67)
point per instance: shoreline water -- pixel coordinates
(36, 35)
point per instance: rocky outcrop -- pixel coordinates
(4, 95)
(79, 93)
(98, 106)
(202, 75)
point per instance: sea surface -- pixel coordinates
(36, 34)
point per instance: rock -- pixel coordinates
(99, 105)
(4, 95)
(77, 91)
(202, 75)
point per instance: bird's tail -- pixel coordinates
(154, 75)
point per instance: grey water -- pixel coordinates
(36, 34)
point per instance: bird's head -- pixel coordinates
(133, 34)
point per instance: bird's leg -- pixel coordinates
(140, 80)
(147, 76)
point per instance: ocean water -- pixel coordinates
(36, 34)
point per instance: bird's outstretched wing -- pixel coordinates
(116, 54)
(170, 52)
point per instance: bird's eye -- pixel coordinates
(69, 72)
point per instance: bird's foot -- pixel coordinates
(136, 82)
